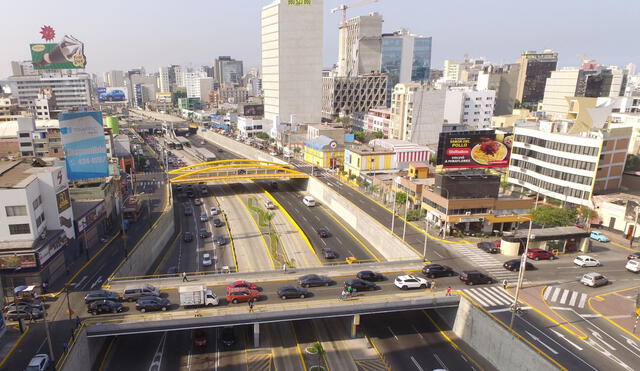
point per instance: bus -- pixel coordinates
(184, 142)
(205, 155)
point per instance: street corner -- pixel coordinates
(619, 308)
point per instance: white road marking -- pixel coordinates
(567, 340)
(417, 332)
(541, 342)
(80, 283)
(392, 333)
(96, 282)
(440, 361)
(565, 294)
(574, 297)
(437, 253)
(339, 241)
(417, 364)
(556, 293)
(583, 300)
(156, 363)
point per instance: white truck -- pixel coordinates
(197, 296)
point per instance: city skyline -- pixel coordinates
(450, 38)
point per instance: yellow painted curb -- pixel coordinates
(14, 346)
(600, 298)
(295, 336)
(622, 246)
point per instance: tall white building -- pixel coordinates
(360, 45)
(192, 83)
(164, 84)
(179, 72)
(469, 106)
(292, 61)
(417, 113)
(70, 90)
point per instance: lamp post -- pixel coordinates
(393, 213)
(406, 209)
(426, 238)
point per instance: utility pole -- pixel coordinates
(406, 209)
(393, 214)
(46, 329)
(426, 238)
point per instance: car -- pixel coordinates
(269, 205)
(361, 285)
(147, 303)
(599, 236)
(240, 295)
(323, 232)
(206, 260)
(199, 337)
(329, 253)
(197, 202)
(514, 265)
(410, 282)
(204, 233)
(370, 276)
(227, 337)
(220, 240)
(309, 201)
(474, 277)
(586, 261)
(188, 211)
(488, 247)
(273, 153)
(101, 295)
(220, 150)
(497, 243)
(22, 303)
(594, 279)
(39, 362)
(537, 254)
(115, 95)
(437, 270)
(634, 256)
(187, 237)
(633, 265)
(217, 222)
(242, 284)
(310, 280)
(22, 313)
(215, 211)
(104, 306)
(292, 292)
(204, 218)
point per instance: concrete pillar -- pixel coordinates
(256, 335)
(354, 325)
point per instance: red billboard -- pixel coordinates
(478, 150)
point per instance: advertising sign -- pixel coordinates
(474, 150)
(117, 94)
(67, 54)
(17, 261)
(253, 110)
(64, 201)
(84, 145)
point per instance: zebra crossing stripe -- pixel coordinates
(505, 295)
(476, 298)
(490, 293)
(556, 293)
(563, 299)
(574, 297)
(547, 292)
(583, 300)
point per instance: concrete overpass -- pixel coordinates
(234, 169)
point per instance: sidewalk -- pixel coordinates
(618, 307)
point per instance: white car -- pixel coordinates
(39, 362)
(410, 282)
(206, 260)
(215, 211)
(586, 261)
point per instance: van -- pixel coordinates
(594, 279)
(134, 292)
(309, 201)
(633, 266)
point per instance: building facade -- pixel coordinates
(114, 79)
(469, 106)
(360, 45)
(503, 80)
(39, 142)
(72, 91)
(228, 71)
(164, 83)
(324, 152)
(345, 95)
(535, 68)
(417, 113)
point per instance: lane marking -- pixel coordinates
(392, 333)
(440, 361)
(565, 339)
(417, 364)
(96, 282)
(541, 342)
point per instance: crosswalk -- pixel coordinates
(490, 296)
(485, 261)
(567, 297)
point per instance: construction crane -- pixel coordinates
(344, 7)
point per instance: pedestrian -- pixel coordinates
(64, 347)
(284, 267)
(45, 284)
(250, 305)
(433, 285)
(449, 291)
(184, 277)
(505, 284)
(78, 321)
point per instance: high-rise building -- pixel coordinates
(228, 71)
(406, 57)
(164, 83)
(292, 61)
(72, 91)
(360, 45)
(503, 80)
(114, 79)
(417, 113)
(535, 68)
(178, 74)
(192, 83)
(469, 106)
(349, 94)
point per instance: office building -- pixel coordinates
(193, 84)
(464, 72)
(346, 95)
(23, 68)
(164, 83)
(291, 66)
(248, 127)
(469, 106)
(228, 71)
(8, 108)
(406, 57)
(535, 68)
(503, 80)
(72, 91)
(417, 113)
(360, 45)
(178, 75)
(114, 79)
(228, 95)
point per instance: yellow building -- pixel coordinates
(324, 152)
(363, 158)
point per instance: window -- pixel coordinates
(39, 220)
(37, 202)
(16, 210)
(25, 144)
(19, 229)
(24, 135)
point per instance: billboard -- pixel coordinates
(116, 95)
(84, 145)
(63, 200)
(253, 110)
(17, 261)
(67, 54)
(479, 149)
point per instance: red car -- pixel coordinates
(497, 243)
(241, 295)
(537, 254)
(242, 284)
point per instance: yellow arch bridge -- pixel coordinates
(235, 169)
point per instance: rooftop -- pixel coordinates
(363, 149)
(19, 174)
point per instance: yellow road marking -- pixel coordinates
(14, 346)
(624, 247)
(295, 336)
(106, 354)
(600, 298)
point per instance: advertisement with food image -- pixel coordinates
(477, 151)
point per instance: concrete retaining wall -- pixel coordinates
(150, 247)
(497, 344)
(84, 353)
(237, 147)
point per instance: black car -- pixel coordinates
(514, 265)
(370, 276)
(474, 277)
(437, 270)
(101, 295)
(187, 237)
(288, 292)
(147, 303)
(488, 247)
(633, 256)
(227, 337)
(220, 240)
(361, 285)
(314, 280)
(104, 306)
(204, 233)
(328, 253)
(323, 232)
(197, 202)
(217, 222)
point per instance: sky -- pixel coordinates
(119, 35)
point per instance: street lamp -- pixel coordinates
(426, 238)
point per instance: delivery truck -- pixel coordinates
(197, 296)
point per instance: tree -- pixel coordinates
(262, 135)
(297, 150)
(401, 197)
(359, 135)
(378, 135)
(587, 214)
(553, 217)
(517, 104)
(632, 163)
(504, 185)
